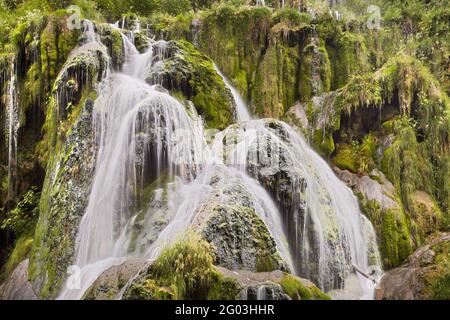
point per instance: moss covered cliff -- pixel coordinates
(372, 100)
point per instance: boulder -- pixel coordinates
(274, 285)
(111, 281)
(426, 275)
(190, 74)
(228, 220)
(17, 287)
(381, 191)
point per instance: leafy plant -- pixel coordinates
(23, 217)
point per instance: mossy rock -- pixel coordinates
(182, 271)
(64, 198)
(190, 73)
(424, 277)
(299, 289)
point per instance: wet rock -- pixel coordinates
(179, 67)
(17, 287)
(241, 240)
(272, 158)
(64, 199)
(111, 281)
(275, 285)
(426, 275)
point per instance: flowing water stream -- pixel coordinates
(12, 124)
(153, 175)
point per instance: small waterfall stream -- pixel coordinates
(12, 124)
(153, 174)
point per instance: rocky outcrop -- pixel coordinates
(190, 74)
(17, 287)
(228, 220)
(275, 285)
(426, 275)
(398, 234)
(276, 156)
(381, 190)
(110, 282)
(63, 202)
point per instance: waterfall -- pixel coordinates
(141, 132)
(241, 107)
(328, 235)
(12, 124)
(261, 3)
(154, 171)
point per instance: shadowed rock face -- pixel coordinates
(111, 281)
(426, 275)
(18, 287)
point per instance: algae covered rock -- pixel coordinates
(426, 275)
(187, 72)
(274, 285)
(64, 199)
(228, 220)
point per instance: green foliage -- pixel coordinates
(438, 277)
(184, 271)
(357, 157)
(22, 248)
(291, 16)
(23, 217)
(186, 267)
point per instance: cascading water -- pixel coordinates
(12, 124)
(261, 3)
(137, 127)
(154, 172)
(327, 233)
(241, 108)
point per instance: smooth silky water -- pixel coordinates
(143, 134)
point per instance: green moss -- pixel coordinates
(393, 231)
(295, 289)
(345, 158)
(223, 289)
(437, 278)
(275, 80)
(184, 271)
(192, 73)
(348, 54)
(112, 39)
(22, 248)
(323, 143)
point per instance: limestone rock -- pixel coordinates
(17, 287)
(241, 239)
(382, 191)
(111, 281)
(63, 202)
